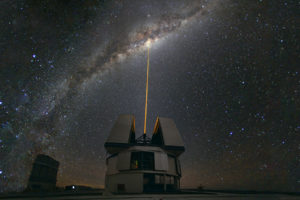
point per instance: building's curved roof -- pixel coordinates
(165, 135)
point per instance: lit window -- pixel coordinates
(142, 160)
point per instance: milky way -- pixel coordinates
(130, 43)
(225, 71)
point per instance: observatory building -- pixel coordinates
(43, 174)
(143, 164)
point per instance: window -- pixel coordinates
(170, 180)
(142, 160)
(178, 168)
(159, 179)
(121, 187)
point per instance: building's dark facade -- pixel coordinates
(43, 174)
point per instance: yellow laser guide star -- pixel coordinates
(146, 104)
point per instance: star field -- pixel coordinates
(225, 71)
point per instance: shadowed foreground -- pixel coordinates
(207, 196)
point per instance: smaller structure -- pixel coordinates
(43, 174)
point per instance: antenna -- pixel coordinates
(146, 103)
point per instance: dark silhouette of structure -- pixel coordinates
(43, 174)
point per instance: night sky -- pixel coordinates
(226, 71)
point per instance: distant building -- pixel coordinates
(43, 174)
(143, 164)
